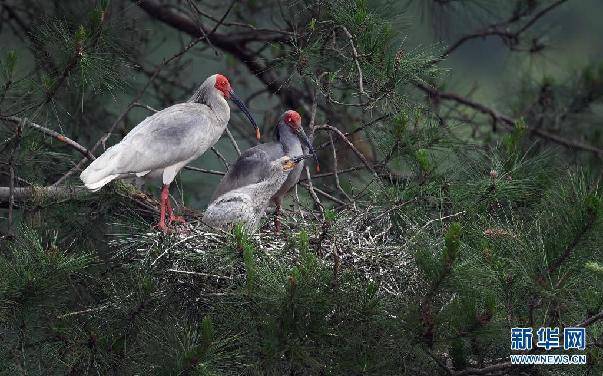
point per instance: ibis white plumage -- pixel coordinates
(165, 142)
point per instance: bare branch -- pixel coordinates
(232, 44)
(501, 30)
(342, 171)
(313, 190)
(28, 193)
(507, 121)
(337, 183)
(359, 129)
(205, 171)
(351, 146)
(486, 370)
(221, 157)
(539, 15)
(361, 91)
(239, 24)
(311, 126)
(57, 136)
(233, 141)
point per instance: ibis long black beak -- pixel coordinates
(246, 111)
(299, 158)
(302, 135)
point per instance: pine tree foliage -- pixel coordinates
(437, 224)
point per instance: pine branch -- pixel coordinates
(572, 246)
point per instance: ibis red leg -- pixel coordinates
(165, 192)
(170, 213)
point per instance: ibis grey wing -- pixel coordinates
(172, 135)
(250, 168)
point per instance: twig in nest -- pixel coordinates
(310, 187)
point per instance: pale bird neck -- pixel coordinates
(289, 140)
(206, 94)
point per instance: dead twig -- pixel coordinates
(233, 141)
(311, 126)
(351, 146)
(205, 171)
(221, 157)
(507, 121)
(57, 136)
(361, 91)
(335, 174)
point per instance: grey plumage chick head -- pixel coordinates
(286, 163)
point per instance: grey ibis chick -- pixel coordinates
(165, 142)
(254, 164)
(247, 205)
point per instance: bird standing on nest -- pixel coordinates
(247, 205)
(254, 164)
(165, 142)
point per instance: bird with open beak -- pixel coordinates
(253, 164)
(247, 204)
(162, 144)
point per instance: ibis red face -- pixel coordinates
(223, 86)
(293, 120)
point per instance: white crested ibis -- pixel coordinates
(254, 164)
(247, 204)
(165, 142)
